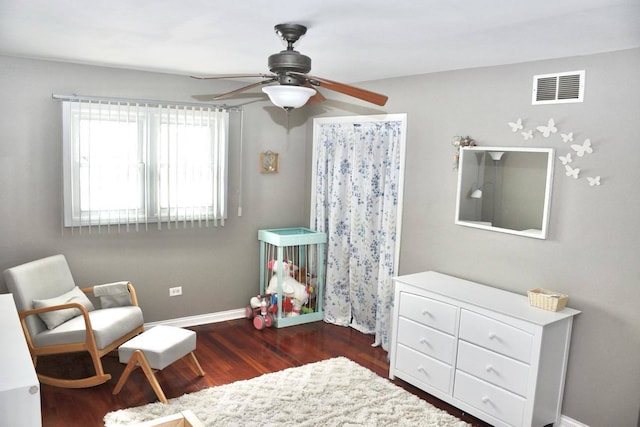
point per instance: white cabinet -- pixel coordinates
(481, 349)
(19, 386)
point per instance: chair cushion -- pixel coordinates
(56, 318)
(44, 278)
(108, 325)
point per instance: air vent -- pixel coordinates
(558, 88)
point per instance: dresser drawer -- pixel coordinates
(438, 315)
(427, 340)
(498, 370)
(489, 399)
(424, 368)
(495, 335)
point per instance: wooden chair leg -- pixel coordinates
(198, 368)
(99, 378)
(97, 362)
(79, 383)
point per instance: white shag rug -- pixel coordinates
(333, 392)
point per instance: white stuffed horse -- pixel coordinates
(290, 286)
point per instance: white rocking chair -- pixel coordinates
(57, 317)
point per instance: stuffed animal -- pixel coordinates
(300, 274)
(255, 302)
(290, 286)
(287, 306)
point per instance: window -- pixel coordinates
(126, 163)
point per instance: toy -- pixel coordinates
(263, 309)
(288, 305)
(290, 286)
(259, 310)
(300, 275)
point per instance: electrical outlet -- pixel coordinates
(174, 292)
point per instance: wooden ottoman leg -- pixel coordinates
(148, 371)
(125, 374)
(198, 369)
(139, 357)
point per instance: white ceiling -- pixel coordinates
(348, 40)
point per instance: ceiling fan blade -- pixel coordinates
(365, 95)
(234, 76)
(239, 90)
(318, 97)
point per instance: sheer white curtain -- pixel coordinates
(358, 166)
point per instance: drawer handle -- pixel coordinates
(424, 341)
(485, 399)
(493, 336)
(426, 312)
(489, 368)
(421, 369)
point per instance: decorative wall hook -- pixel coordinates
(269, 162)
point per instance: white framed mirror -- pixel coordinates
(505, 189)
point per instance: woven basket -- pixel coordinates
(546, 299)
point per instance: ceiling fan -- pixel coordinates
(289, 86)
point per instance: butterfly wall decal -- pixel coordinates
(567, 137)
(566, 159)
(579, 149)
(572, 172)
(516, 126)
(582, 149)
(594, 181)
(548, 129)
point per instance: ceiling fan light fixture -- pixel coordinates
(288, 96)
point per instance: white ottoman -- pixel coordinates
(156, 349)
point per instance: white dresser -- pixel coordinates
(19, 386)
(481, 349)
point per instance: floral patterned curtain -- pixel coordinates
(357, 186)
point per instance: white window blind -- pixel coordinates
(128, 164)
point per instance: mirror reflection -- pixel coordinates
(505, 189)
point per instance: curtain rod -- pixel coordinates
(149, 102)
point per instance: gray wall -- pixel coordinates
(217, 267)
(591, 254)
(593, 249)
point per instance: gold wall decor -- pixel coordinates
(269, 162)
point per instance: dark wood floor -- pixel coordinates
(228, 351)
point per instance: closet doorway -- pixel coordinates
(356, 199)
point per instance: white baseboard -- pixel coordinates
(201, 319)
(569, 422)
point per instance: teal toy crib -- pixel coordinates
(287, 256)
